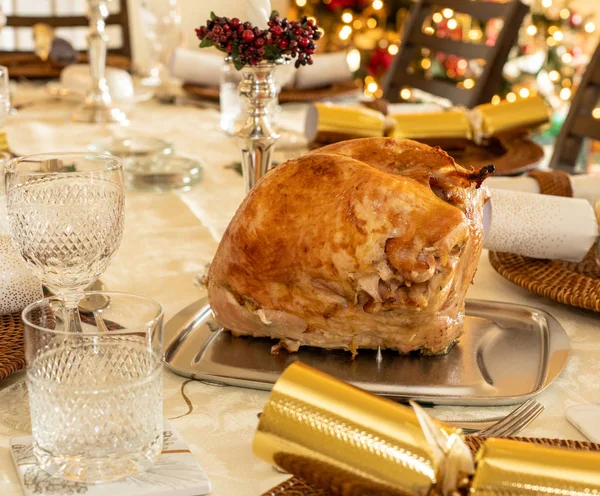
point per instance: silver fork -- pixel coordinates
(509, 425)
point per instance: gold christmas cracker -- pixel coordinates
(351, 121)
(341, 438)
(489, 119)
(483, 121)
(450, 124)
(513, 468)
(350, 443)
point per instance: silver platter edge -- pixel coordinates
(507, 354)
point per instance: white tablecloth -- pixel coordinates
(170, 237)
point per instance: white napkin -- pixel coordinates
(201, 67)
(258, 12)
(586, 186)
(585, 419)
(327, 69)
(539, 226)
(18, 286)
(3, 214)
(77, 78)
(176, 473)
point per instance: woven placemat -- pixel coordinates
(287, 95)
(297, 487)
(12, 352)
(29, 65)
(575, 284)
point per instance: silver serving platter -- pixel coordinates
(507, 354)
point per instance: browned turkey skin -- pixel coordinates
(366, 243)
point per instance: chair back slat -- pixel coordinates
(458, 96)
(580, 123)
(413, 39)
(28, 21)
(595, 75)
(483, 11)
(458, 48)
(586, 127)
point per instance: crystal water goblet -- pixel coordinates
(65, 215)
(98, 106)
(5, 158)
(5, 106)
(95, 396)
(162, 27)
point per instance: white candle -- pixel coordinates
(258, 12)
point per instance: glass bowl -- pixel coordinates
(136, 150)
(142, 157)
(174, 172)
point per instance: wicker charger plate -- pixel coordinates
(511, 153)
(297, 487)
(12, 342)
(287, 95)
(575, 284)
(12, 352)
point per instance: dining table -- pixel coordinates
(171, 236)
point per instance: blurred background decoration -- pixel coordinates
(554, 45)
(553, 48)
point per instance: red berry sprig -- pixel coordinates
(249, 45)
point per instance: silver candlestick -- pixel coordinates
(98, 105)
(257, 137)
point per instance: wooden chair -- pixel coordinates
(24, 63)
(579, 123)
(398, 77)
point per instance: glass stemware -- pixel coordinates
(4, 95)
(5, 105)
(65, 214)
(161, 20)
(5, 158)
(98, 106)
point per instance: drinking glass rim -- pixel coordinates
(115, 163)
(27, 322)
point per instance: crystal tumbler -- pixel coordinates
(95, 396)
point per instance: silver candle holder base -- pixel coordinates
(257, 137)
(98, 106)
(94, 111)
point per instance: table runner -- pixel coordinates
(169, 237)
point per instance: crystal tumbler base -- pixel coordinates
(95, 470)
